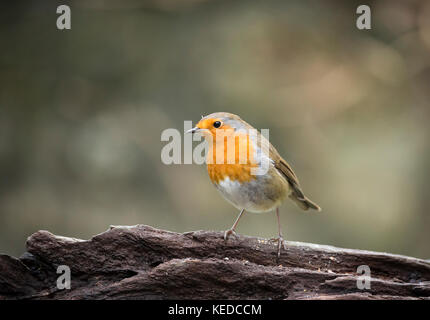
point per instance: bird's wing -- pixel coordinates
(287, 172)
(297, 194)
(285, 169)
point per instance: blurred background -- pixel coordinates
(82, 111)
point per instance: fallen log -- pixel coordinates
(141, 262)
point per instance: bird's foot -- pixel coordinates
(228, 233)
(281, 243)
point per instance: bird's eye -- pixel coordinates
(217, 124)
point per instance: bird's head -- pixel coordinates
(219, 123)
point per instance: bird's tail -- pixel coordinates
(304, 202)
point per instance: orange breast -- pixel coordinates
(241, 159)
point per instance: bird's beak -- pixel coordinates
(195, 129)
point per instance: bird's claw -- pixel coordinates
(228, 233)
(281, 243)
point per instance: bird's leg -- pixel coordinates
(231, 231)
(280, 239)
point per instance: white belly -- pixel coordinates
(258, 195)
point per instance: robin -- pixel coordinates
(235, 172)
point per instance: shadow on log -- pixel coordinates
(141, 262)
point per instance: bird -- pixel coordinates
(236, 152)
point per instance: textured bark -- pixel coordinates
(141, 262)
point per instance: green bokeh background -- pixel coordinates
(82, 111)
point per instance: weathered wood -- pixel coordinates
(141, 262)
